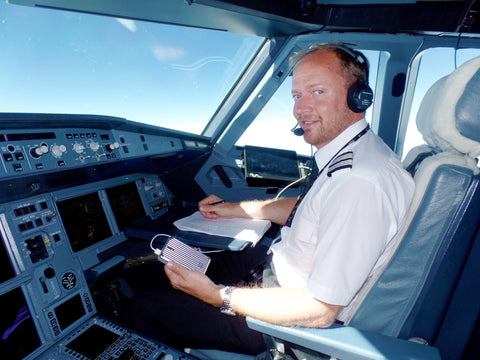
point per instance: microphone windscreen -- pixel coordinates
(298, 131)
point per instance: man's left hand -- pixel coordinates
(194, 283)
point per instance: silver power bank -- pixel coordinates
(181, 253)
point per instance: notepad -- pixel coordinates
(250, 230)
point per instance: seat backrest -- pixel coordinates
(415, 156)
(410, 296)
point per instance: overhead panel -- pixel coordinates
(202, 14)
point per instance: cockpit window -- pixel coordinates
(443, 61)
(65, 62)
(278, 115)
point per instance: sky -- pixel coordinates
(175, 77)
(78, 63)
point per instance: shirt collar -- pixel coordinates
(325, 153)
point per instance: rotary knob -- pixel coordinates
(36, 152)
(113, 146)
(49, 272)
(58, 150)
(78, 148)
(94, 146)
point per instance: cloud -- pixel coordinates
(128, 24)
(167, 53)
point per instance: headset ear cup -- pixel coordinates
(359, 97)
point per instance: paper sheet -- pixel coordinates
(241, 229)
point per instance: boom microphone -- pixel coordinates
(297, 130)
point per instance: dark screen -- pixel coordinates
(17, 330)
(6, 269)
(270, 166)
(94, 341)
(126, 204)
(69, 312)
(84, 220)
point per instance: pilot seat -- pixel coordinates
(426, 302)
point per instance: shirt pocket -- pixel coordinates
(304, 233)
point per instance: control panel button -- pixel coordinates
(19, 156)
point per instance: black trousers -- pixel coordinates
(180, 320)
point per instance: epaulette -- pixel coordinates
(342, 161)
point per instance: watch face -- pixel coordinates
(226, 309)
(69, 280)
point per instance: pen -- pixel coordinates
(218, 202)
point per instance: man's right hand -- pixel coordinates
(276, 211)
(210, 211)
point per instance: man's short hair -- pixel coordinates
(353, 62)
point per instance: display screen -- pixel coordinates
(27, 136)
(126, 204)
(266, 166)
(93, 342)
(84, 220)
(18, 334)
(6, 268)
(69, 312)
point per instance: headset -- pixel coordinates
(360, 95)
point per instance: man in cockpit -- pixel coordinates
(334, 237)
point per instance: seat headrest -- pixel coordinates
(449, 115)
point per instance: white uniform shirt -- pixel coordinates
(345, 221)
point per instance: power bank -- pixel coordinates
(181, 253)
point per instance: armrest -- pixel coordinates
(346, 342)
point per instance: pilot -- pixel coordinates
(333, 237)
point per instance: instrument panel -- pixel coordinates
(25, 152)
(58, 238)
(48, 243)
(50, 240)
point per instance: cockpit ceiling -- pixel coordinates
(283, 17)
(383, 16)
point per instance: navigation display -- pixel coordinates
(19, 337)
(126, 204)
(84, 220)
(6, 268)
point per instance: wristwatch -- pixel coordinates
(227, 295)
